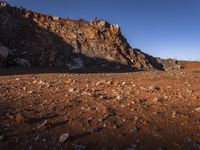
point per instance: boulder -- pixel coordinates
(4, 54)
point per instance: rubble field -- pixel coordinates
(155, 110)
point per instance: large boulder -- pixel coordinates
(4, 54)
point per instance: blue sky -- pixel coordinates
(165, 28)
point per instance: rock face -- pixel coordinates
(4, 54)
(171, 64)
(75, 44)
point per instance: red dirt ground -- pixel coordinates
(143, 110)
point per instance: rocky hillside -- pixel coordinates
(41, 40)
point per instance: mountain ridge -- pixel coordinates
(46, 40)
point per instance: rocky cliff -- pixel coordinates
(41, 40)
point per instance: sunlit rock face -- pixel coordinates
(52, 41)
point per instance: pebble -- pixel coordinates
(71, 90)
(41, 125)
(120, 98)
(30, 92)
(41, 82)
(124, 83)
(136, 129)
(174, 114)
(197, 109)
(63, 137)
(17, 79)
(100, 82)
(35, 81)
(19, 118)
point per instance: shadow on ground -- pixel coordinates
(34, 133)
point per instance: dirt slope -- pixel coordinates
(147, 110)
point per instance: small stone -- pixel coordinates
(35, 81)
(136, 129)
(30, 92)
(71, 90)
(63, 137)
(197, 109)
(109, 82)
(94, 130)
(124, 83)
(56, 18)
(120, 98)
(174, 114)
(153, 88)
(100, 82)
(36, 138)
(41, 82)
(19, 118)
(17, 79)
(42, 124)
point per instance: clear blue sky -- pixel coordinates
(165, 28)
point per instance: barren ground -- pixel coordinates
(142, 110)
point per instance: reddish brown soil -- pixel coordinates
(148, 110)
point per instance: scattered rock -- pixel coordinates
(136, 129)
(73, 90)
(30, 92)
(174, 114)
(153, 88)
(100, 82)
(22, 62)
(56, 18)
(197, 109)
(63, 137)
(120, 98)
(19, 118)
(17, 79)
(42, 124)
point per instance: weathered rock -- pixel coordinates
(22, 62)
(63, 137)
(75, 44)
(4, 53)
(170, 64)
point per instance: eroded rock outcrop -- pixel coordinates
(171, 64)
(75, 44)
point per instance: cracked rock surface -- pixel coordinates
(45, 40)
